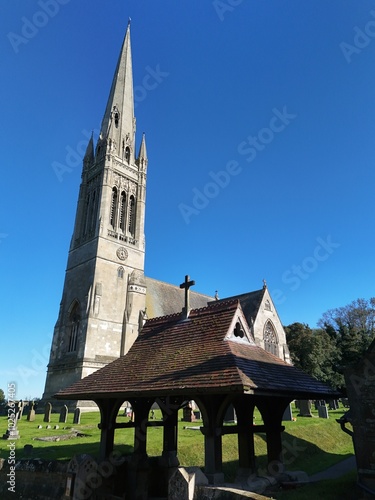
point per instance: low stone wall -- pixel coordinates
(35, 479)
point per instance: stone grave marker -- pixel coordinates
(82, 473)
(360, 386)
(31, 414)
(28, 450)
(304, 408)
(230, 415)
(323, 411)
(47, 412)
(63, 414)
(77, 416)
(288, 414)
(188, 414)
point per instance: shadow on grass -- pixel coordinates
(67, 451)
(297, 454)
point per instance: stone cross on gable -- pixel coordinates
(186, 285)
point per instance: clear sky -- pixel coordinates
(260, 124)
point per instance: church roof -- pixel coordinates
(197, 355)
(163, 299)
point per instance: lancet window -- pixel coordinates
(131, 224)
(127, 154)
(122, 221)
(113, 211)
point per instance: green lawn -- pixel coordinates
(310, 444)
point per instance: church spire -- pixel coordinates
(89, 155)
(142, 155)
(118, 125)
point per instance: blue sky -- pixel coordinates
(260, 135)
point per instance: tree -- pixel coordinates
(2, 397)
(353, 327)
(315, 352)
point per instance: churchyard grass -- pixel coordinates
(310, 444)
(343, 488)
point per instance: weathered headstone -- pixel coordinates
(181, 485)
(360, 386)
(63, 414)
(31, 414)
(288, 414)
(12, 432)
(304, 408)
(183, 482)
(82, 476)
(188, 414)
(47, 412)
(77, 416)
(323, 411)
(20, 407)
(230, 415)
(28, 450)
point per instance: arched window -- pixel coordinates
(74, 319)
(270, 338)
(112, 215)
(120, 272)
(132, 215)
(117, 118)
(127, 154)
(122, 211)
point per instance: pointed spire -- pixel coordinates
(89, 157)
(142, 155)
(118, 122)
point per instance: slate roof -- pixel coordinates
(190, 357)
(163, 299)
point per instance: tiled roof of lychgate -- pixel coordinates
(250, 303)
(173, 355)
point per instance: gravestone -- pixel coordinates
(183, 482)
(323, 411)
(28, 450)
(83, 477)
(20, 407)
(360, 386)
(230, 415)
(47, 412)
(12, 432)
(188, 414)
(31, 414)
(304, 408)
(77, 416)
(63, 414)
(288, 414)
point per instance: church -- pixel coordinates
(106, 297)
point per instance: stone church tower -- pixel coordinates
(104, 290)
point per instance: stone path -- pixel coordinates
(335, 471)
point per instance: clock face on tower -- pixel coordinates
(121, 253)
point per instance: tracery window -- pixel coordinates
(270, 338)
